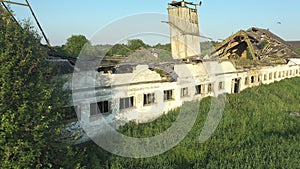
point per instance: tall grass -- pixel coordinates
(256, 131)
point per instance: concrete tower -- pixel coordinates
(184, 29)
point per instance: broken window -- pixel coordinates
(209, 88)
(270, 76)
(297, 72)
(99, 107)
(168, 95)
(236, 85)
(221, 85)
(184, 92)
(265, 77)
(93, 109)
(275, 75)
(246, 80)
(287, 73)
(149, 99)
(252, 79)
(279, 75)
(283, 74)
(126, 103)
(198, 89)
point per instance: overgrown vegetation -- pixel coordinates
(207, 48)
(119, 50)
(249, 55)
(30, 102)
(73, 46)
(165, 47)
(256, 131)
(263, 44)
(298, 51)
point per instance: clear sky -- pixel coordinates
(218, 18)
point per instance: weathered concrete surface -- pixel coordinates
(185, 33)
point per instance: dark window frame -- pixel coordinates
(126, 103)
(149, 99)
(252, 79)
(99, 108)
(265, 77)
(198, 89)
(210, 88)
(184, 92)
(221, 85)
(247, 81)
(168, 95)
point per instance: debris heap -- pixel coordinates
(255, 45)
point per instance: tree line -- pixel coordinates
(77, 43)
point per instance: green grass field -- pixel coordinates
(256, 131)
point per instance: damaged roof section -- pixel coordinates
(257, 45)
(295, 44)
(164, 69)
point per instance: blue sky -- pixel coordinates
(218, 18)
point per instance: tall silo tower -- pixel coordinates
(184, 29)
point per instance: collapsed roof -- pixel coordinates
(256, 44)
(295, 44)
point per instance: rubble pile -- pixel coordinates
(258, 45)
(295, 44)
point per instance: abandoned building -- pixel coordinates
(143, 92)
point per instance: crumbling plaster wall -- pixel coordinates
(185, 33)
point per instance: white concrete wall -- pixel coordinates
(143, 81)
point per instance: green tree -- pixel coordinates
(119, 50)
(136, 44)
(61, 50)
(30, 103)
(166, 47)
(75, 44)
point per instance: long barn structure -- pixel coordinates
(144, 92)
